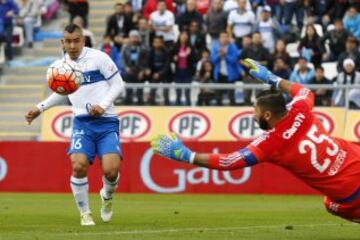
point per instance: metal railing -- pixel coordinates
(240, 85)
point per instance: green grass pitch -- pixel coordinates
(185, 217)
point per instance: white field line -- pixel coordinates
(199, 229)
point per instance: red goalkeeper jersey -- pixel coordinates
(300, 144)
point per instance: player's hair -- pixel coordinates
(71, 28)
(273, 101)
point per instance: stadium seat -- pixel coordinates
(292, 49)
(330, 70)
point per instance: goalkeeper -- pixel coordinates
(293, 139)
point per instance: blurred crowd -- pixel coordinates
(189, 41)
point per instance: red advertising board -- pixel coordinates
(45, 167)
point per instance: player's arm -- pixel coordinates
(171, 147)
(53, 100)
(295, 90)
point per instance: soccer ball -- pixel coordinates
(64, 77)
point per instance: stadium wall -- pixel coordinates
(45, 167)
(139, 124)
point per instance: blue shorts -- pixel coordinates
(95, 136)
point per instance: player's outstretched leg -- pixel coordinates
(106, 194)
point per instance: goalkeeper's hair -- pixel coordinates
(273, 101)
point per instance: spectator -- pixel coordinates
(138, 5)
(322, 11)
(310, 46)
(89, 36)
(240, 23)
(215, 21)
(197, 39)
(118, 26)
(180, 7)
(152, 5)
(280, 51)
(322, 96)
(352, 22)
(269, 28)
(79, 8)
(302, 73)
(224, 58)
(206, 76)
(257, 51)
(159, 68)
(8, 10)
(348, 76)
(162, 23)
(337, 39)
(145, 33)
(351, 51)
(205, 56)
(230, 5)
(135, 62)
(190, 15)
(107, 47)
(281, 68)
(292, 7)
(30, 17)
(184, 59)
(131, 15)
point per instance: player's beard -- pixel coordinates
(263, 124)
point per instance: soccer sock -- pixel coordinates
(109, 187)
(80, 189)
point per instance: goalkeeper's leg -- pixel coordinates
(349, 210)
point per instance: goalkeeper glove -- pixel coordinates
(261, 73)
(171, 147)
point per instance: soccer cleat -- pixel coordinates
(106, 208)
(86, 219)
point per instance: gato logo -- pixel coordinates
(133, 125)
(190, 125)
(185, 178)
(326, 120)
(62, 125)
(244, 127)
(3, 169)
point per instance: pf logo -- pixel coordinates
(133, 125)
(244, 127)
(190, 125)
(357, 130)
(326, 120)
(62, 125)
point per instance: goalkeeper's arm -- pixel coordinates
(171, 147)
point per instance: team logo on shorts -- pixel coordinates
(62, 125)
(244, 127)
(190, 125)
(326, 121)
(133, 125)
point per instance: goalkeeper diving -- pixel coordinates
(293, 139)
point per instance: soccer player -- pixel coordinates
(95, 126)
(294, 139)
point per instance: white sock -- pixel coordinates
(109, 187)
(80, 189)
